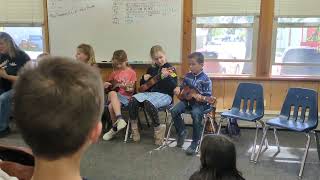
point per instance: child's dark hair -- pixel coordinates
(198, 56)
(56, 105)
(218, 160)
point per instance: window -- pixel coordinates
(23, 20)
(227, 43)
(297, 47)
(28, 39)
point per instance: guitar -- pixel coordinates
(154, 80)
(188, 93)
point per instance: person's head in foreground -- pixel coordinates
(58, 106)
(218, 160)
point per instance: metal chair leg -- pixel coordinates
(266, 143)
(167, 116)
(261, 143)
(317, 143)
(211, 122)
(277, 140)
(127, 131)
(204, 127)
(168, 134)
(220, 124)
(305, 155)
(253, 152)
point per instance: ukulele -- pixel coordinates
(154, 80)
(115, 86)
(189, 93)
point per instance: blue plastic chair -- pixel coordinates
(248, 105)
(300, 100)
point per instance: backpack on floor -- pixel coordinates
(232, 128)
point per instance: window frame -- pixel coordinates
(254, 25)
(277, 25)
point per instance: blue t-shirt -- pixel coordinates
(12, 66)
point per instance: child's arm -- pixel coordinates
(170, 79)
(179, 88)
(207, 88)
(132, 82)
(143, 80)
(204, 91)
(108, 79)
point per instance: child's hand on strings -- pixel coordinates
(107, 85)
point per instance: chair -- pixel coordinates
(161, 109)
(248, 105)
(304, 103)
(206, 116)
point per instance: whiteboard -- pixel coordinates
(132, 25)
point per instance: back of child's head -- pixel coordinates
(57, 104)
(88, 50)
(198, 56)
(42, 55)
(218, 159)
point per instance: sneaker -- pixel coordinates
(181, 138)
(5, 132)
(191, 150)
(109, 135)
(135, 134)
(121, 124)
(159, 134)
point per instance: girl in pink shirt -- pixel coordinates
(125, 78)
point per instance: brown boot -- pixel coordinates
(135, 131)
(159, 133)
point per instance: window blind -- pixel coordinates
(21, 11)
(226, 7)
(297, 8)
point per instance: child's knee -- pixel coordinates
(174, 111)
(112, 94)
(196, 115)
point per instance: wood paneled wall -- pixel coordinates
(274, 91)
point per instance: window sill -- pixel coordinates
(273, 78)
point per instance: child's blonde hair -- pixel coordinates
(119, 56)
(155, 49)
(88, 50)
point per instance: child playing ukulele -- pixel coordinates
(125, 79)
(199, 81)
(155, 95)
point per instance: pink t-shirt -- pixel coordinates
(127, 76)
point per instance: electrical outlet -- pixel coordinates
(265, 103)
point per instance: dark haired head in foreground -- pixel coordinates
(58, 106)
(218, 160)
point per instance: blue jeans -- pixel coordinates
(5, 108)
(196, 110)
